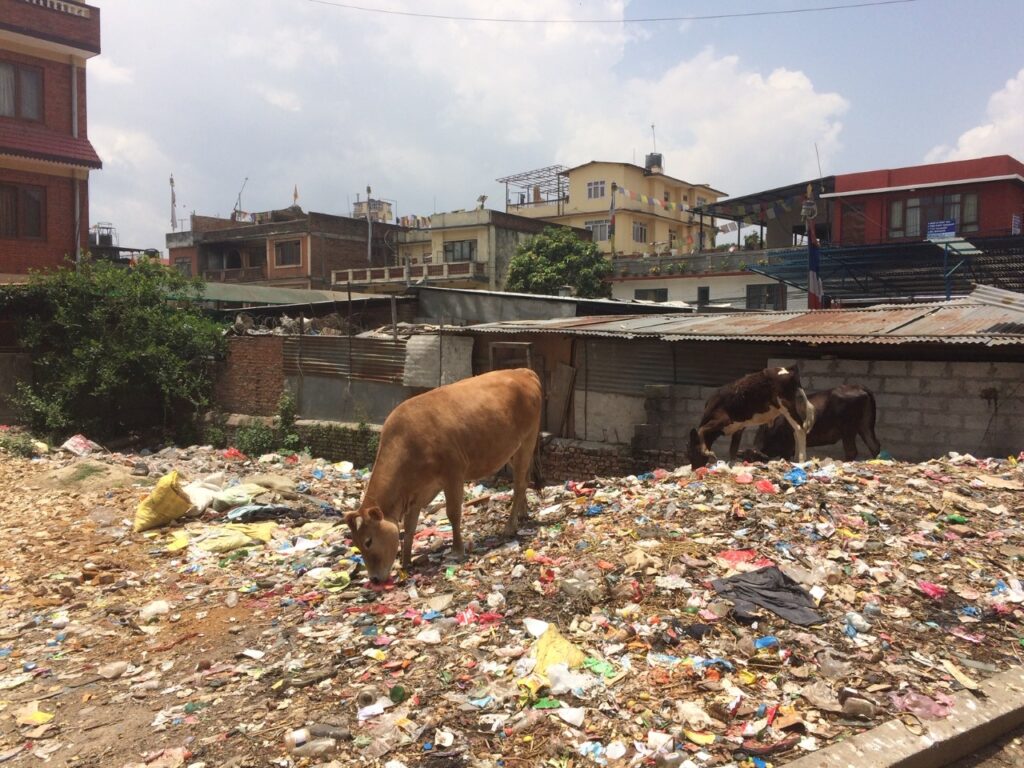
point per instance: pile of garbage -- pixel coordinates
(212, 612)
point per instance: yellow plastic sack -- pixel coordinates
(554, 648)
(226, 538)
(167, 502)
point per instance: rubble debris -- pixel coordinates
(633, 621)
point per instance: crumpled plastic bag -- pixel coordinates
(166, 503)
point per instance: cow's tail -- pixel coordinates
(867, 426)
(804, 410)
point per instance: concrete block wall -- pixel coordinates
(928, 408)
(672, 410)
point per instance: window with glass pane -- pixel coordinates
(650, 294)
(595, 189)
(287, 254)
(460, 250)
(639, 232)
(7, 100)
(599, 228)
(913, 218)
(31, 93)
(31, 212)
(896, 218)
(969, 211)
(951, 208)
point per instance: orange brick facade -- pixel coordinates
(252, 379)
(52, 153)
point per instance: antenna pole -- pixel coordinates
(238, 202)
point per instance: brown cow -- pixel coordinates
(841, 413)
(757, 398)
(438, 441)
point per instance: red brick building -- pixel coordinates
(984, 196)
(288, 248)
(45, 154)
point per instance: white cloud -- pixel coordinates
(1001, 134)
(286, 100)
(427, 112)
(132, 150)
(106, 71)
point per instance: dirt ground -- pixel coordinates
(248, 645)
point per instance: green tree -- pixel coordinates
(558, 257)
(113, 349)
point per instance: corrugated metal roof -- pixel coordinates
(266, 294)
(966, 321)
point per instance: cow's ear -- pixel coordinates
(354, 520)
(375, 514)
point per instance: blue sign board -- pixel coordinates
(939, 230)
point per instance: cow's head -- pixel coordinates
(699, 454)
(377, 540)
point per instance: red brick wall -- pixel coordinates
(52, 25)
(19, 256)
(251, 381)
(997, 202)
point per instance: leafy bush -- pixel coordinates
(287, 435)
(254, 438)
(215, 431)
(16, 443)
(113, 349)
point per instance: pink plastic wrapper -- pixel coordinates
(934, 591)
(925, 707)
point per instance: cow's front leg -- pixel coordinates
(411, 518)
(799, 436)
(734, 444)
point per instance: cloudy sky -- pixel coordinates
(429, 112)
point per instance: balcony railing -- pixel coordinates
(72, 8)
(412, 273)
(243, 275)
(704, 262)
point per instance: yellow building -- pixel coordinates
(654, 213)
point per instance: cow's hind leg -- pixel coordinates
(453, 493)
(520, 461)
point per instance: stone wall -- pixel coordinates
(338, 441)
(563, 460)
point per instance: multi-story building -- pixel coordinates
(458, 249)
(289, 248)
(45, 154)
(654, 213)
(923, 231)
(983, 197)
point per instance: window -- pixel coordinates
(639, 232)
(913, 218)
(287, 253)
(21, 92)
(595, 189)
(703, 295)
(969, 212)
(650, 294)
(460, 250)
(951, 209)
(599, 228)
(896, 219)
(853, 224)
(184, 266)
(22, 211)
(766, 296)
